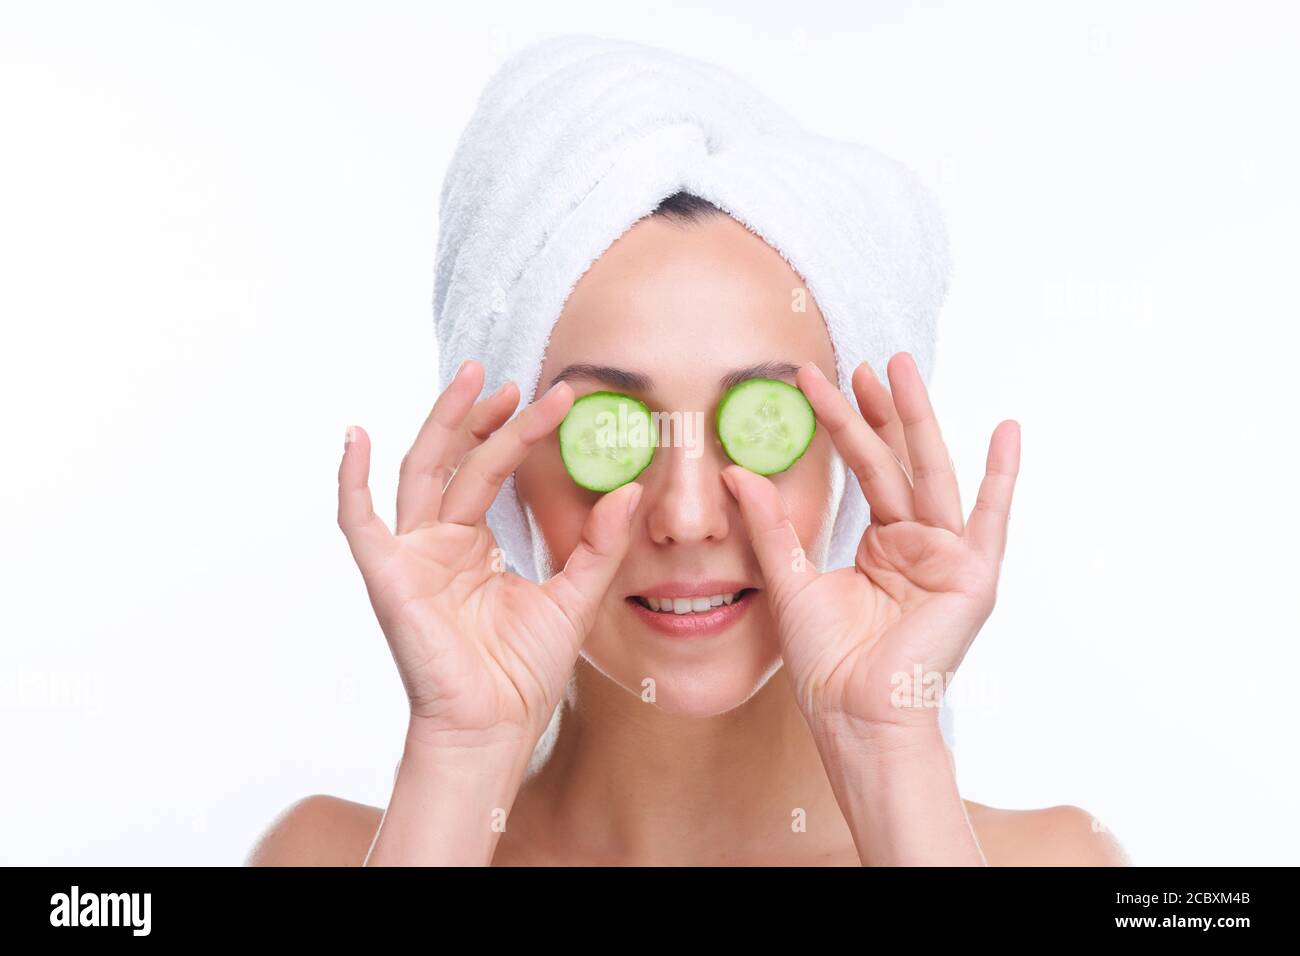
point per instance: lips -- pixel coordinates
(682, 609)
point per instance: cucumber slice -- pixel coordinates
(765, 425)
(606, 440)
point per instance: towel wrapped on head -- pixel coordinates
(577, 138)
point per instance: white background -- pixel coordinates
(217, 230)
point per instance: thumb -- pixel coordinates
(580, 587)
(786, 569)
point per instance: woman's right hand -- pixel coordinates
(483, 653)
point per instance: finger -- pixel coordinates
(367, 535)
(986, 528)
(934, 482)
(786, 568)
(877, 407)
(482, 472)
(484, 419)
(420, 481)
(581, 586)
(878, 470)
(446, 436)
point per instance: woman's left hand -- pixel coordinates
(866, 645)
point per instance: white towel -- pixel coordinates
(576, 138)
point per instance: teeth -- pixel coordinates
(685, 605)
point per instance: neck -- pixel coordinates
(627, 783)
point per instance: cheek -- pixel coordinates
(556, 508)
(812, 490)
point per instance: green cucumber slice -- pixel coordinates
(765, 425)
(606, 440)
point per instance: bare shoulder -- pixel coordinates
(318, 831)
(1052, 836)
(322, 830)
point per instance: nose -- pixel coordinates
(688, 502)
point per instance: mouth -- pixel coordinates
(690, 605)
(695, 614)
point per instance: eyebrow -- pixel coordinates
(640, 382)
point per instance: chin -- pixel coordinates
(692, 677)
(711, 692)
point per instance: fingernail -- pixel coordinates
(633, 500)
(350, 435)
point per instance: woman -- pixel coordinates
(763, 727)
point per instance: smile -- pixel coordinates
(695, 616)
(688, 605)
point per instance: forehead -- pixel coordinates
(682, 301)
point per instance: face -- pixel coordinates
(671, 314)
